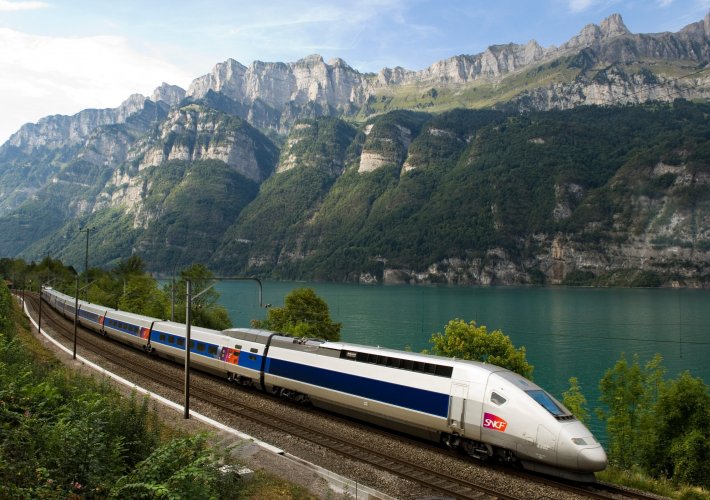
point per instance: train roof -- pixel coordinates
(409, 355)
(385, 351)
(118, 314)
(251, 334)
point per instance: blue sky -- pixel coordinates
(62, 56)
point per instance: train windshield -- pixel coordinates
(546, 402)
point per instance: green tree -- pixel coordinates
(303, 315)
(469, 341)
(142, 296)
(680, 444)
(574, 400)
(629, 393)
(205, 310)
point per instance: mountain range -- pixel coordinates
(586, 163)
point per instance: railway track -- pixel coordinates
(229, 402)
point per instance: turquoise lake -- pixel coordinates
(567, 332)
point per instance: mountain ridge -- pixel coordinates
(344, 176)
(337, 84)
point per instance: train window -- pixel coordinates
(393, 362)
(212, 350)
(406, 364)
(444, 371)
(171, 339)
(372, 358)
(497, 399)
(192, 344)
(201, 347)
(181, 342)
(254, 349)
(162, 337)
(238, 347)
(546, 402)
(252, 357)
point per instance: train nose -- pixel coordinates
(592, 459)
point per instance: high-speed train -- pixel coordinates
(486, 410)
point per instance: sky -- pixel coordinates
(62, 56)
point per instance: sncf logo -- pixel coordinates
(491, 421)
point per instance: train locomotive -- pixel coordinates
(486, 410)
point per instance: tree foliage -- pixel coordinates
(303, 315)
(469, 341)
(205, 310)
(183, 468)
(680, 445)
(658, 426)
(142, 296)
(575, 401)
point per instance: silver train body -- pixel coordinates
(486, 410)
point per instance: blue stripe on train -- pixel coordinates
(411, 398)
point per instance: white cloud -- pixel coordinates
(42, 75)
(664, 3)
(8, 6)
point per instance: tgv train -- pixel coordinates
(486, 410)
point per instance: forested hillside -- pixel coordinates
(481, 197)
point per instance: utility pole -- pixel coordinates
(86, 255)
(188, 320)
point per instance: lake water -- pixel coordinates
(567, 332)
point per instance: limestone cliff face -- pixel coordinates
(304, 81)
(60, 130)
(293, 89)
(194, 133)
(387, 144)
(169, 94)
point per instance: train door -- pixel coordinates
(457, 406)
(474, 409)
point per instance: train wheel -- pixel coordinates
(480, 451)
